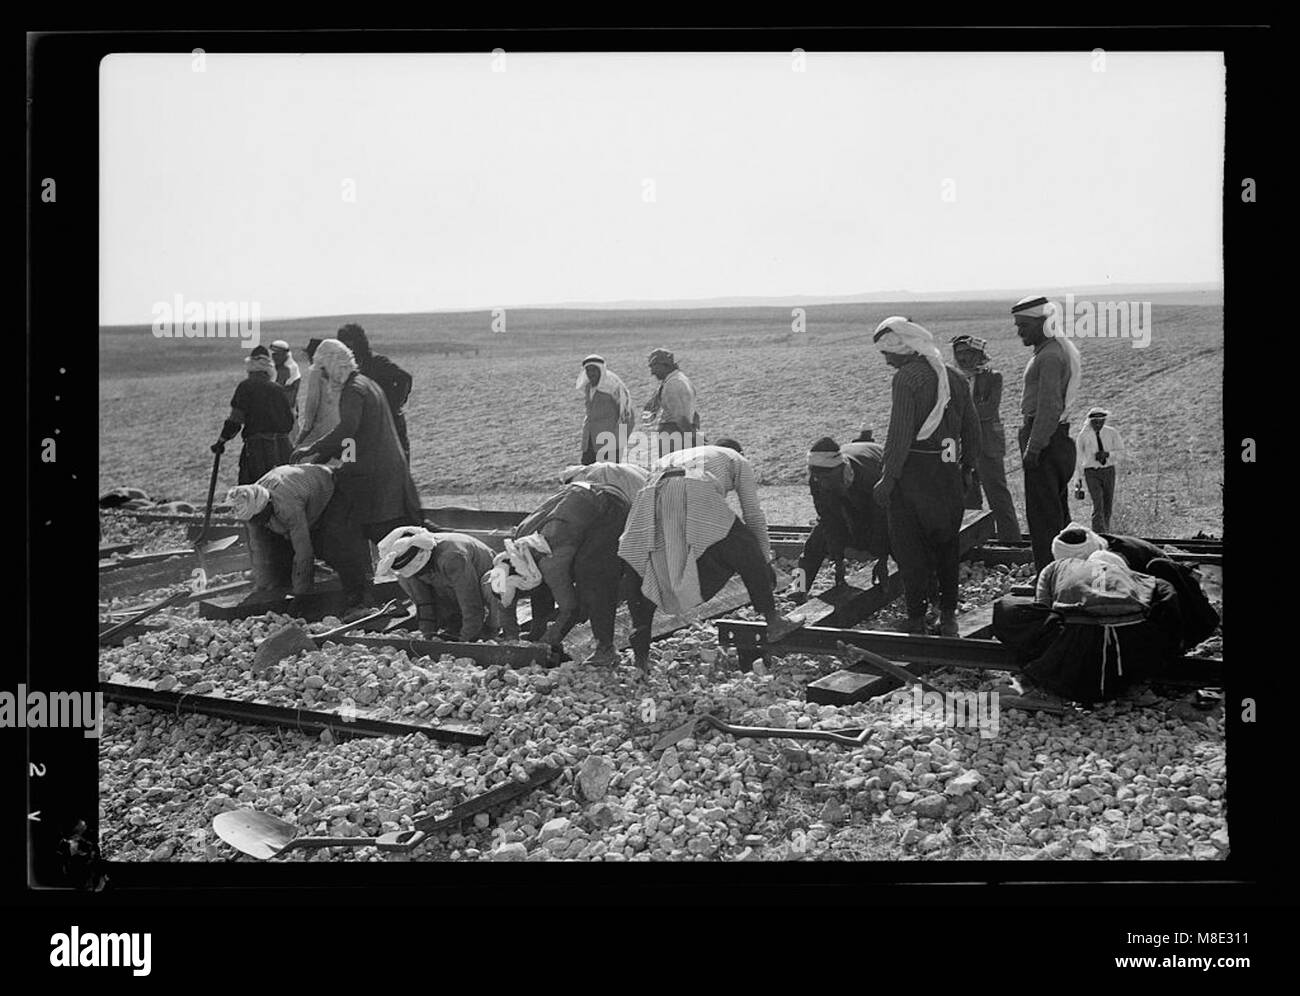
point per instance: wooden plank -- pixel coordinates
(998, 554)
(453, 519)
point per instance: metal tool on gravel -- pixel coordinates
(263, 836)
(112, 631)
(201, 546)
(289, 640)
(850, 737)
(857, 655)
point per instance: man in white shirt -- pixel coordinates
(731, 470)
(1099, 449)
(671, 412)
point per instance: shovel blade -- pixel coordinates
(216, 546)
(281, 644)
(258, 835)
(673, 736)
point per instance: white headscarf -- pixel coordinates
(336, 360)
(902, 337)
(514, 569)
(1038, 306)
(610, 383)
(1062, 550)
(402, 540)
(246, 500)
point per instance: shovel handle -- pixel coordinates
(347, 627)
(852, 738)
(212, 491)
(401, 840)
(112, 631)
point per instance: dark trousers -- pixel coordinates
(399, 423)
(261, 453)
(1101, 488)
(992, 481)
(924, 523)
(597, 576)
(345, 546)
(736, 553)
(1047, 491)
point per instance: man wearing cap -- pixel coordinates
(682, 543)
(971, 355)
(1050, 384)
(444, 575)
(732, 473)
(1098, 450)
(671, 412)
(286, 370)
(930, 451)
(609, 419)
(262, 411)
(288, 528)
(841, 479)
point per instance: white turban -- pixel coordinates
(411, 546)
(609, 383)
(1107, 557)
(1038, 306)
(1061, 550)
(902, 337)
(246, 500)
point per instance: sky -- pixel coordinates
(333, 184)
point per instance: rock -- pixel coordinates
(603, 817)
(481, 820)
(1220, 837)
(163, 852)
(594, 777)
(832, 812)
(930, 842)
(510, 852)
(963, 783)
(931, 806)
(165, 683)
(314, 682)
(202, 688)
(553, 829)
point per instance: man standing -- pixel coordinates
(285, 511)
(374, 493)
(971, 354)
(682, 543)
(262, 410)
(841, 479)
(671, 412)
(930, 450)
(609, 419)
(443, 575)
(1051, 382)
(392, 379)
(286, 370)
(732, 473)
(1098, 450)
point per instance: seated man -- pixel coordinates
(442, 574)
(566, 555)
(288, 527)
(1200, 619)
(681, 545)
(841, 479)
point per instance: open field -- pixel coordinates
(495, 429)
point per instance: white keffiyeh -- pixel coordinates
(902, 337)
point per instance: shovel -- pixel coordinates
(852, 737)
(291, 639)
(263, 836)
(201, 547)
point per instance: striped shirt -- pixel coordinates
(733, 473)
(672, 522)
(915, 389)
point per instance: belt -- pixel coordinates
(266, 435)
(1028, 423)
(674, 472)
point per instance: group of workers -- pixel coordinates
(658, 533)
